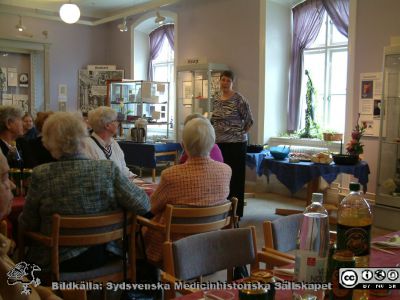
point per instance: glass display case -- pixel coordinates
(387, 208)
(197, 85)
(134, 99)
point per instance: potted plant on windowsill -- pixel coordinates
(311, 129)
(332, 135)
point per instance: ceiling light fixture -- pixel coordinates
(70, 13)
(19, 26)
(159, 19)
(122, 27)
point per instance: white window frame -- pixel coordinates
(328, 49)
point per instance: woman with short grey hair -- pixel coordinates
(215, 152)
(64, 134)
(200, 181)
(75, 185)
(198, 137)
(101, 144)
(10, 127)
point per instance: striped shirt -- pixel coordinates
(231, 119)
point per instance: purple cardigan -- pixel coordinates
(215, 154)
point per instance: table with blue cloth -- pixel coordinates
(256, 160)
(146, 155)
(295, 175)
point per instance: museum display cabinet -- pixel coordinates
(134, 99)
(387, 208)
(196, 87)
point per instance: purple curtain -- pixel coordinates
(338, 11)
(307, 21)
(157, 37)
(169, 33)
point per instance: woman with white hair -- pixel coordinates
(215, 152)
(101, 145)
(201, 181)
(75, 185)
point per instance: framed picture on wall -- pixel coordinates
(93, 87)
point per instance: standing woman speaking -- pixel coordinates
(232, 120)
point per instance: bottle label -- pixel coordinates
(355, 239)
(309, 267)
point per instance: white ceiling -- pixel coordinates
(93, 12)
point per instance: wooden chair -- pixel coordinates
(206, 253)
(87, 230)
(192, 220)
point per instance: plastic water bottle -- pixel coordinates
(313, 247)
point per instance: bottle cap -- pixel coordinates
(317, 197)
(354, 186)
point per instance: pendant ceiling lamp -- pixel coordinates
(122, 27)
(70, 13)
(159, 19)
(19, 26)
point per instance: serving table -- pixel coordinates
(146, 155)
(295, 175)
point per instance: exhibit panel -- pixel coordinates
(141, 100)
(197, 87)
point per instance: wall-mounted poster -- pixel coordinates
(3, 79)
(93, 87)
(370, 102)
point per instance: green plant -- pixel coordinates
(311, 129)
(354, 146)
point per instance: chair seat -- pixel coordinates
(113, 267)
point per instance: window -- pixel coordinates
(163, 70)
(163, 64)
(326, 60)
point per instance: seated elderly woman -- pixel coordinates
(101, 145)
(6, 264)
(189, 183)
(215, 152)
(75, 185)
(30, 131)
(33, 152)
(10, 127)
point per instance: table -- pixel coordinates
(295, 175)
(256, 160)
(146, 155)
(377, 259)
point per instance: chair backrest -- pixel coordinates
(192, 220)
(205, 253)
(281, 234)
(90, 230)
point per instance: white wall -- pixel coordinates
(141, 55)
(278, 45)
